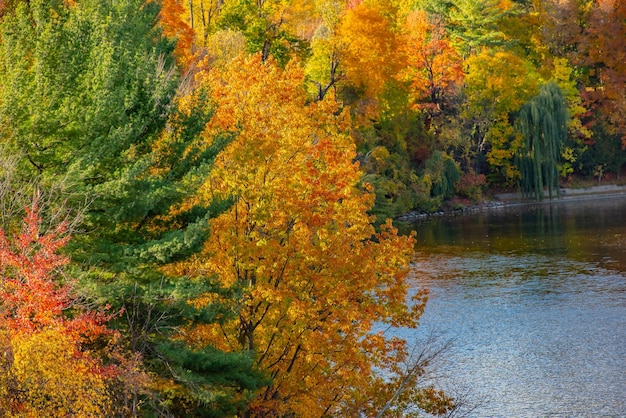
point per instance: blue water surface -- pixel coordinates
(534, 300)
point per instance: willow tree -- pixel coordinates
(543, 125)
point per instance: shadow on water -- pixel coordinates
(585, 231)
(535, 299)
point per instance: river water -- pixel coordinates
(534, 301)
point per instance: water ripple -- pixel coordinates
(539, 327)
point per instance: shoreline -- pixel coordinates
(507, 200)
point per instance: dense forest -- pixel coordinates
(194, 195)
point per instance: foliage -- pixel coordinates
(523, 28)
(225, 45)
(157, 121)
(605, 150)
(393, 154)
(443, 173)
(322, 67)
(542, 121)
(175, 27)
(90, 95)
(264, 25)
(475, 24)
(396, 194)
(50, 341)
(563, 27)
(366, 40)
(604, 53)
(434, 69)
(78, 87)
(298, 240)
(472, 186)
(147, 236)
(497, 85)
(564, 76)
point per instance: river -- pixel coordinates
(534, 301)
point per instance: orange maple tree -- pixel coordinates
(316, 277)
(47, 368)
(434, 68)
(605, 50)
(174, 26)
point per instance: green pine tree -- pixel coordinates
(88, 96)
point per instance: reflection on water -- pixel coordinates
(535, 299)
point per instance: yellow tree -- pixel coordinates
(316, 277)
(579, 134)
(201, 16)
(368, 49)
(497, 84)
(357, 48)
(48, 366)
(275, 27)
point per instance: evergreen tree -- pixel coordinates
(89, 94)
(543, 125)
(475, 23)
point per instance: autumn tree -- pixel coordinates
(392, 155)
(434, 69)
(579, 132)
(172, 20)
(497, 85)
(265, 25)
(366, 40)
(348, 40)
(435, 74)
(316, 276)
(91, 94)
(605, 35)
(403, 104)
(525, 28)
(50, 341)
(563, 26)
(354, 36)
(323, 65)
(200, 16)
